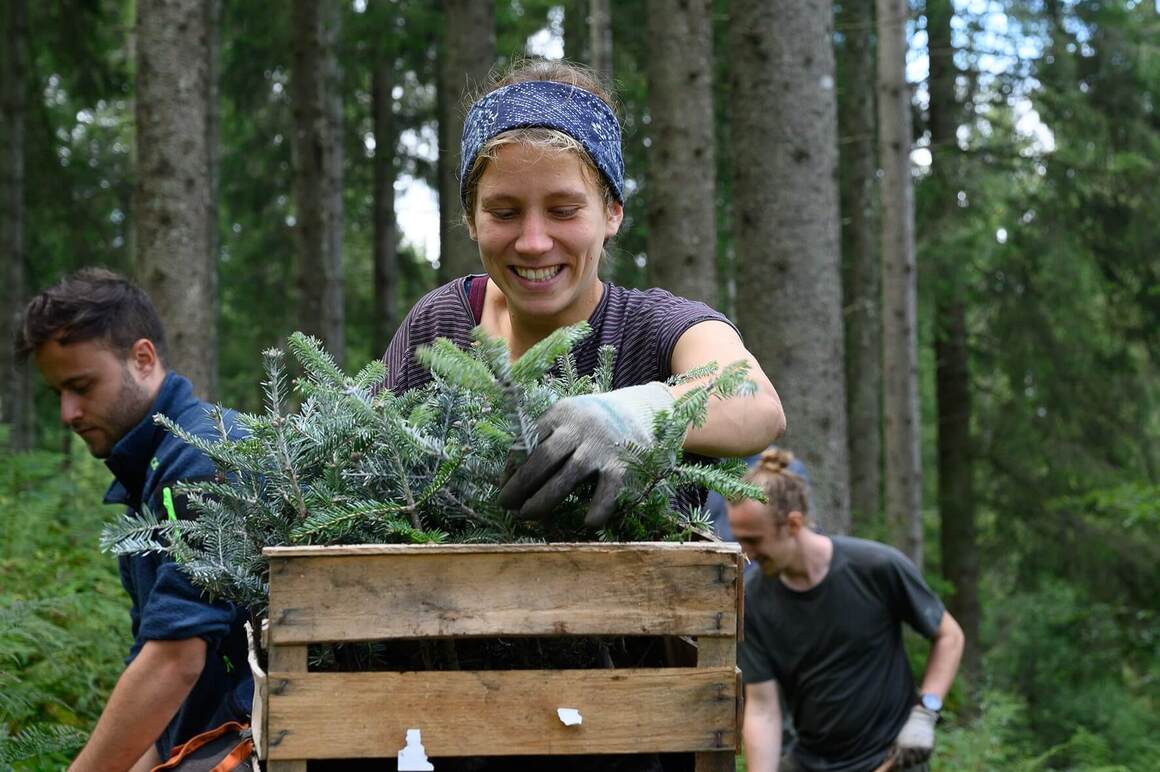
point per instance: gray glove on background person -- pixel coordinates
(580, 437)
(916, 740)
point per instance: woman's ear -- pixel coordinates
(613, 219)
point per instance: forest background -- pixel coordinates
(935, 225)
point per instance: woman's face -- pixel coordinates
(541, 223)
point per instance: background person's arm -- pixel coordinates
(147, 696)
(734, 427)
(761, 729)
(946, 651)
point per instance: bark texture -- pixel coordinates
(600, 38)
(16, 407)
(174, 208)
(386, 312)
(317, 104)
(899, 287)
(956, 494)
(682, 225)
(786, 229)
(862, 276)
(467, 55)
(576, 30)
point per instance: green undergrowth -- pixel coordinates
(64, 622)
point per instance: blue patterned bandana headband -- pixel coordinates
(545, 104)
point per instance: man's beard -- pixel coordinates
(131, 405)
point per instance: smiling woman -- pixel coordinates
(542, 183)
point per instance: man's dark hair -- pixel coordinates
(91, 304)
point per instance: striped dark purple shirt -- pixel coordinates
(642, 325)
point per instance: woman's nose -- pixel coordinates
(534, 238)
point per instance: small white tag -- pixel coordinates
(413, 757)
(570, 716)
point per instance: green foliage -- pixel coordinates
(356, 465)
(63, 621)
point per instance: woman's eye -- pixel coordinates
(502, 214)
(565, 212)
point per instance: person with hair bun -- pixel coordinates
(823, 630)
(543, 189)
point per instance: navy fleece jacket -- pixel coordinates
(165, 605)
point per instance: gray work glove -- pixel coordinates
(916, 740)
(580, 437)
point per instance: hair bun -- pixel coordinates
(774, 460)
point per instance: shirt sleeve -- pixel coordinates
(673, 317)
(442, 312)
(913, 599)
(397, 357)
(177, 610)
(753, 655)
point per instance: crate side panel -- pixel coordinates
(550, 593)
(494, 713)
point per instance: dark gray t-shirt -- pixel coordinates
(836, 651)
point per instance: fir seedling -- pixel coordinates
(355, 464)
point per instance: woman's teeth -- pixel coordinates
(536, 274)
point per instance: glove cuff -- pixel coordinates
(650, 398)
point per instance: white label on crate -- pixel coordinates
(413, 757)
(570, 716)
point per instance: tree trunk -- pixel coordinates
(173, 209)
(861, 279)
(899, 286)
(576, 31)
(385, 316)
(317, 103)
(467, 56)
(956, 495)
(16, 405)
(786, 228)
(213, 146)
(682, 223)
(600, 39)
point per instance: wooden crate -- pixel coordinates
(376, 592)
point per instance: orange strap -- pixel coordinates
(237, 755)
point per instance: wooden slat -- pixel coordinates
(403, 591)
(493, 713)
(725, 548)
(286, 660)
(716, 652)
